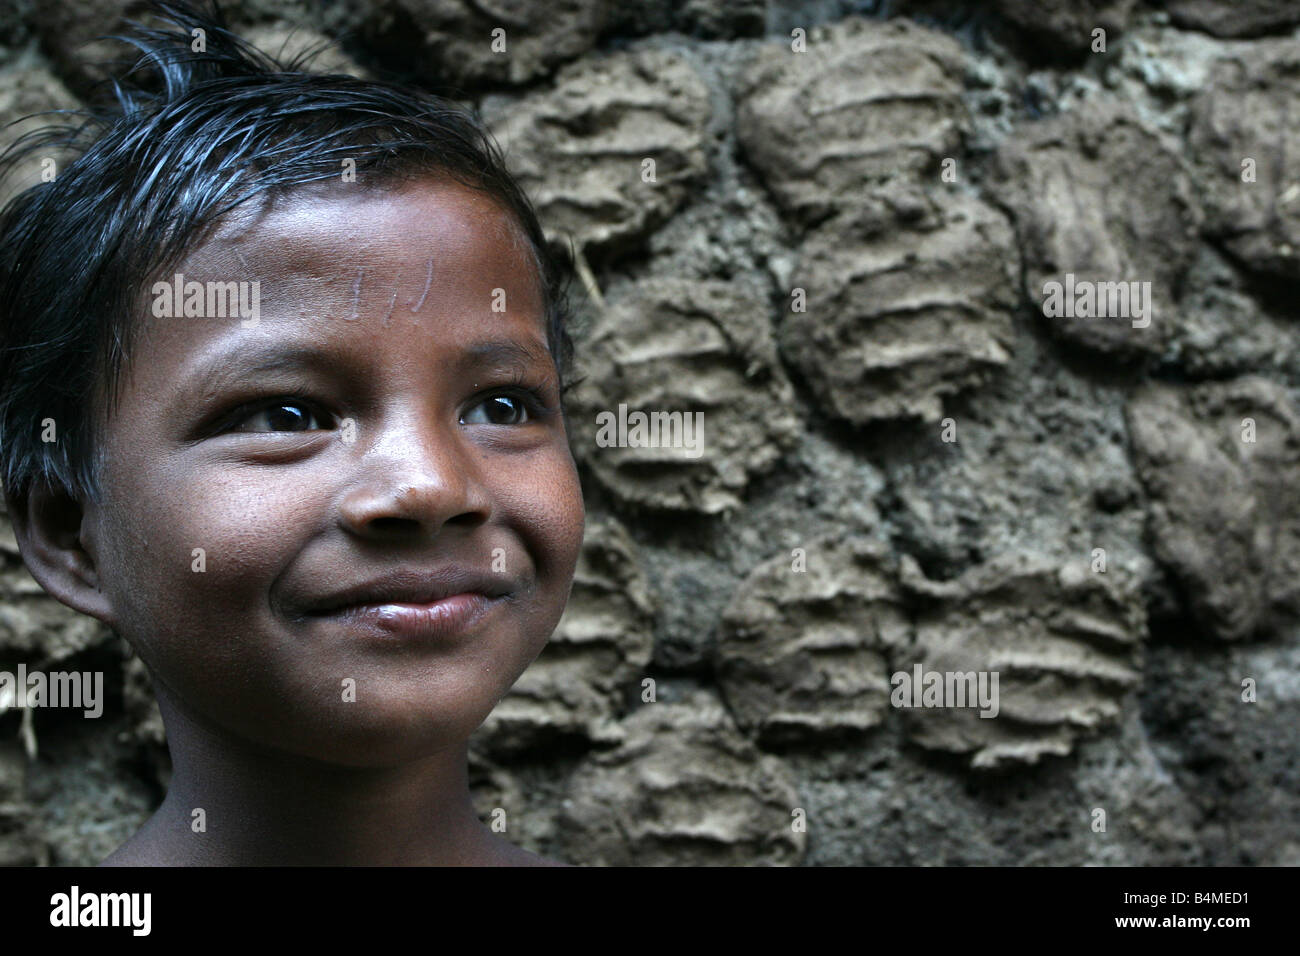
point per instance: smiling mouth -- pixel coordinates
(443, 619)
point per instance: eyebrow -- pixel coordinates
(505, 352)
(225, 370)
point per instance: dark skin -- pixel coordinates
(391, 293)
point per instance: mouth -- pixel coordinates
(439, 603)
(441, 619)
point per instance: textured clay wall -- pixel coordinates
(843, 257)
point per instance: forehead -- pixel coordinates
(311, 236)
(342, 267)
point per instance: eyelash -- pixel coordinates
(241, 413)
(533, 397)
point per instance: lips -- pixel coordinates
(411, 586)
(441, 621)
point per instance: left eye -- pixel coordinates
(280, 417)
(497, 410)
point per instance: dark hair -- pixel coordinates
(185, 138)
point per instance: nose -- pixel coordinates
(413, 479)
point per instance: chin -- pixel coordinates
(388, 737)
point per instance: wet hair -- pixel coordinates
(183, 138)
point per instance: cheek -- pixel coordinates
(549, 508)
(194, 555)
(197, 561)
(542, 503)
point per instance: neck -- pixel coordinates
(264, 807)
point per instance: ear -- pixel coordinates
(51, 530)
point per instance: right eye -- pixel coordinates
(277, 416)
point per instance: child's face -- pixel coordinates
(378, 308)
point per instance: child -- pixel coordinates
(328, 602)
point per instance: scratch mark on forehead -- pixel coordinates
(428, 282)
(391, 303)
(356, 293)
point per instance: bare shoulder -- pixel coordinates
(506, 853)
(136, 851)
(127, 855)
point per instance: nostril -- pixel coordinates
(393, 524)
(467, 518)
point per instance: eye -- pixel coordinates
(498, 410)
(279, 416)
